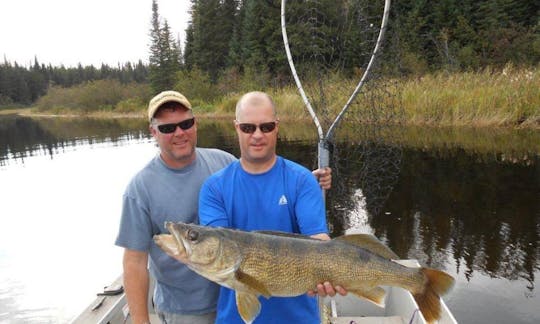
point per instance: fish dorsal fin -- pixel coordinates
(248, 306)
(285, 234)
(252, 283)
(370, 243)
(375, 295)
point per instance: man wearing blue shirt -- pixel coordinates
(263, 191)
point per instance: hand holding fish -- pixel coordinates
(326, 289)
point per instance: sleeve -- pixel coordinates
(309, 207)
(212, 210)
(135, 231)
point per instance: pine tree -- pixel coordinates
(164, 60)
(189, 59)
(235, 55)
(210, 33)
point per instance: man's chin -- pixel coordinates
(259, 158)
(184, 154)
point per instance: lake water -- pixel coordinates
(464, 201)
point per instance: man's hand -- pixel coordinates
(324, 176)
(326, 289)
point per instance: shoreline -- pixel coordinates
(479, 124)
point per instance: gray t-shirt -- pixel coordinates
(158, 194)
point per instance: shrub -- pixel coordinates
(94, 96)
(197, 86)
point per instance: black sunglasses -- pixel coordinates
(251, 128)
(169, 128)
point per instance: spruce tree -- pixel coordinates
(189, 59)
(211, 30)
(164, 60)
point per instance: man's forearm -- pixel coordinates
(136, 282)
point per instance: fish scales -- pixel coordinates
(277, 262)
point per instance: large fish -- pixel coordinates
(283, 264)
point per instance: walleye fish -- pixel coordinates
(283, 264)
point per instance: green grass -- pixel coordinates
(510, 97)
(507, 98)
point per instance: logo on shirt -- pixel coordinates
(283, 200)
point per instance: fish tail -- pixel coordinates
(437, 283)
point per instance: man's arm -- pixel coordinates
(324, 177)
(211, 206)
(136, 282)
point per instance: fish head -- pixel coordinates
(204, 249)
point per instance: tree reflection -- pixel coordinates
(21, 137)
(483, 214)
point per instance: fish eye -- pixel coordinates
(193, 235)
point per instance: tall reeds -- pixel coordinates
(487, 98)
(508, 97)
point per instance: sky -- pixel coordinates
(90, 32)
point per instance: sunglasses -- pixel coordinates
(170, 128)
(251, 128)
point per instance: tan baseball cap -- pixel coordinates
(163, 97)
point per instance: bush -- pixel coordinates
(94, 96)
(197, 86)
(227, 103)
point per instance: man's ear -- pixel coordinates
(152, 130)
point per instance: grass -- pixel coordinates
(489, 98)
(507, 98)
(510, 97)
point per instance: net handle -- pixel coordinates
(295, 75)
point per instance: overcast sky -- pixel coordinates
(83, 31)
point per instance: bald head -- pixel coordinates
(256, 99)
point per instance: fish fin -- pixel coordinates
(285, 234)
(437, 283)
(369, 242)
(248, 306)
(252, 283)
(375, 295)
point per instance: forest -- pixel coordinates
(233, 45)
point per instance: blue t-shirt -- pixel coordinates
(157, 194)
(286, 198)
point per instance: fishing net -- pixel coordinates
(346, 73)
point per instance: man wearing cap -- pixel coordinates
(167, 189)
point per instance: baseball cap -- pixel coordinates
(163, 97)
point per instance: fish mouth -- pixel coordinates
(177, 234)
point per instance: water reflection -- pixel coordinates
(468, 207)
(486, 213)
(475, 215)
(22, 137)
